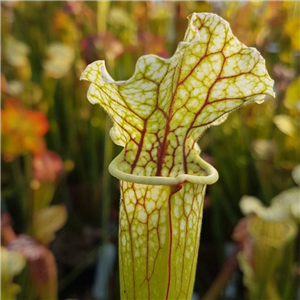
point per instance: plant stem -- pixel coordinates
(28, 203)
(107, 181)
(286, 282)
(78, 269)
(102, 10)
(223, 277)
(265, 284)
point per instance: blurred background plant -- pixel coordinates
(59, 204)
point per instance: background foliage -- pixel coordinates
(56, 148)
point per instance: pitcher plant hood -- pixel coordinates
(163, 109)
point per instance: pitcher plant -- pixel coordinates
(158, 116)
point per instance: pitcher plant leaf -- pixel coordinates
(158, 116)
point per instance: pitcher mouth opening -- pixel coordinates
(211, 177)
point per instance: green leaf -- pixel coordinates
(12, 263)
(162, 110)
(292, 95)
(47, 221)
(285, 124)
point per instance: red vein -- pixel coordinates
(172, 192)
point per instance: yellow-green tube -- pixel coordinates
(159, 240)
(159, 233)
